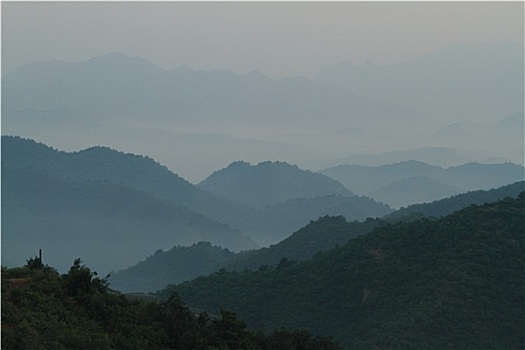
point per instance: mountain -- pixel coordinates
(108, 225)
(295, 213)
(269, 183)
(364, 179)
(172, 266)
(182, 263)
(320, 235)
(449, 205)
(116, 84)
(137, 172)
(185, 263)
(402, 179)
(454, 282)
(474, 81)
(503, 137)
(140, 173)
(43, 309)
(415, 189)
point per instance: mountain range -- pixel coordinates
(474, 81)
(185, 263)
(463, 96)
(111, 226)
(43, 191)
(410, 182)
(453, 282)
(245, 184)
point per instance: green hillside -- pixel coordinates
(42, 309)
(173, 266)
(184, 263)
(454, 282)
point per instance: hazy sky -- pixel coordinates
(276, 38)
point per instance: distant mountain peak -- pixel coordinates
(269, 182)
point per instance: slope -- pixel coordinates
(184, 263)
(449, 205)
(42, 309)
(144, 174)
(473, 80)
(415, 189)
(365, 180)
(121, 86)
(455, 282)
(138, 172)
(269, 183)
(109, 225)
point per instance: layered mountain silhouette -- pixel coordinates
(401, 285)
(185, 263)
(197, 121)
(472, 81)
(119, 85)
(411, 182)
(212, 218)
(269, 183)
(109, 225)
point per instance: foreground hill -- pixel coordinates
(455, 282)
(110, 226)
(402, 182)
(185, 263)
(42, 309)
(269, 183)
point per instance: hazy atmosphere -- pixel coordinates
(280, 39)
(389, 68)
(262, 175)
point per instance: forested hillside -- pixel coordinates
(42, 309)
(454, 282)
(184, 263)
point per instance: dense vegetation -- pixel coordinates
(42, 309)
(173, 266)
(454, 282)
(184, 263)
